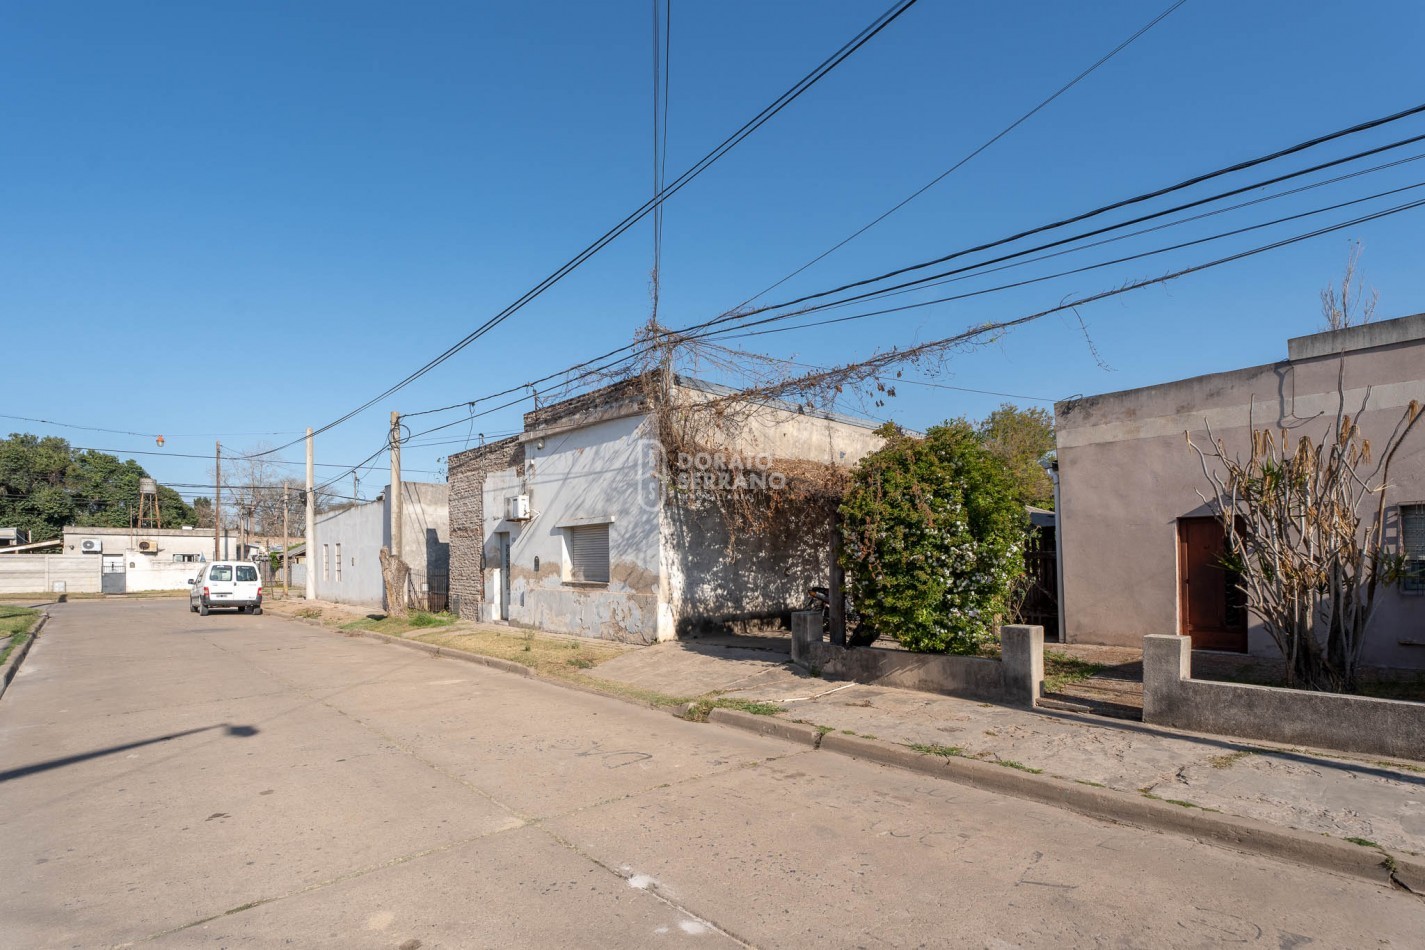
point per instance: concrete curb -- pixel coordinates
(496, 663)
(17, 655)
(767, 726)
(1243, 834)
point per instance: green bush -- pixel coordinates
(934, 539)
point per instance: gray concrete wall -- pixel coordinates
(468, 471)
(38, 573)
(598, 472)
(360, 531)
(1015, 679)
(1171, 697)
(1127, 476)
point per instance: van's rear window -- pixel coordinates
(220, 572)
(246, 572)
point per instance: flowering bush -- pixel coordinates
(934, 539)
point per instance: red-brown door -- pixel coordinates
(1209, 601)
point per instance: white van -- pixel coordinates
(226, 584)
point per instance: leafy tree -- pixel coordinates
(1020, 438)
(45, 485)
(934, 539)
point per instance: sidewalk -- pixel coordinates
(1335, 794)
(1369, 801)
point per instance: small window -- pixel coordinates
(588, 553)
(246, 572)
(338, 562)
(220, 572)
(1412, 544)
(326, 563)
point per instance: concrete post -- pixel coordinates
(1167, 661)
(806, 632)
(307, 545)
(1022, 653)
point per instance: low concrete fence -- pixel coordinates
(45, 573)
(1171, 697)
(1015, 679)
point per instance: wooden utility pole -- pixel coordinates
(286, 545)
(396, 513)
(217, 499)
(311, 521)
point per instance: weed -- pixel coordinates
(701, 709)
(847, 732)
(16, 620)
(1084, 781)
(310, 613)
(1363, 842)
(944, 751)
(17, 641)
(1011, 764)
(1061, 669)
(420, 618)
(580, 662)
(1389, 864)
(823, 730)
(1226, 761)
(1172, 801)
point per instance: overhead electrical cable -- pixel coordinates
(780, 103)
(972, 155)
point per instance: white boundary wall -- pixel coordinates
(37, 573)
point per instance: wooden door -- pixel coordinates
(1209, 601)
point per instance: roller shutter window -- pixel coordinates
(1412, 538)
(589, 554)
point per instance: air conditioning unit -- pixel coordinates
(517, 508)
(91, 546)
(148, 546)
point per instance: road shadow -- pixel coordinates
(241, 732)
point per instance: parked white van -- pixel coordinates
(226, 584)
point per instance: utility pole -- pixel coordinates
(286, 546)
(311, 520)
(217, 498)
(396, 513)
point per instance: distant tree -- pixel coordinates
(1020, 438)
(46, 485)
(934, 539)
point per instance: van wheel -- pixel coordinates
(257, 609)
(202, 610)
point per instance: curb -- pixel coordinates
(1242, 834)
(496, 663)
(17, 656)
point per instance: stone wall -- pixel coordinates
(467, 519)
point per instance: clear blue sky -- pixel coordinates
(248, 218)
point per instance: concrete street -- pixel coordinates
(238, 781)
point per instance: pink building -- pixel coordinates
(1140, 548)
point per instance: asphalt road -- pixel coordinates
(237, 781)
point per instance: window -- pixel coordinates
(220, 572)
(326, 563)
(338, 562)
(588, 547)
(246, 572)
(1412, 544)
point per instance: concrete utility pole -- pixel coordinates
(396, 513)
(286, 546)
(217, 498)
(311, 520)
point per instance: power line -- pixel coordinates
(146, 435)
(731, 142)
(972, 155)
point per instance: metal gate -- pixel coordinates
(1041, 602)
(111, 581)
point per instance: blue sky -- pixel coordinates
(235, 219)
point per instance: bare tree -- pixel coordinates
(1309, 562)
(1352, 305)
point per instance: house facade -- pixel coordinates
(344, 553)
(1140, 547)
(581, 524)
